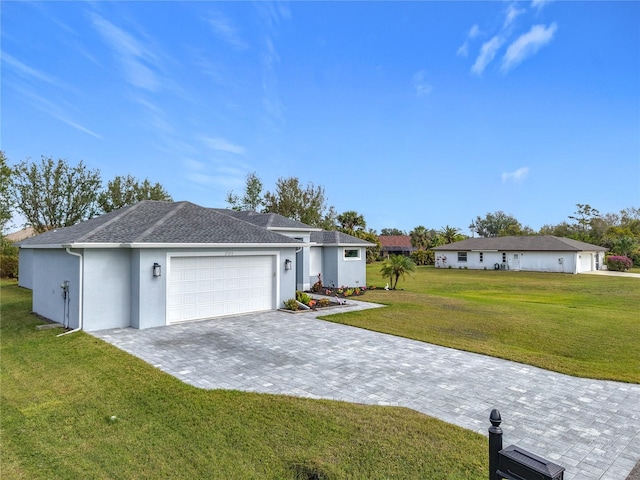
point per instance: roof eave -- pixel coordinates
(170, 245)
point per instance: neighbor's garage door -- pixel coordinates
(585, 262)
(205, 287)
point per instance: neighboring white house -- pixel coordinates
(158, 263)
(535, 253)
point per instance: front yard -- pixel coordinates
(582, 325)
(76, 407)
(58, 397)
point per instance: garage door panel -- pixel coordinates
(206, 287)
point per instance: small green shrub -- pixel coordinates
(291, 304)
(8, 266)
(302, 297)
(8, 259)
(324, 302)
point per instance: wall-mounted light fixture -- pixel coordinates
(157, 270)
(287, 264)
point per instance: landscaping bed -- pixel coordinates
(305, 302)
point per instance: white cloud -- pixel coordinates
(193, 165)
(474, 31)
(487, 54)
(225, 29)
(540, 4)
(423, 88)
(55, 110)
(26, 71)
(131, 54)
(513, 12)
(515, 176)
(222, 145)
(527, 44)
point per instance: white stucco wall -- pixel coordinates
(107, 288)
(25, 268)
(302, 259)
(344, 272)
(560, 262)
(315, 264)
(52, 269)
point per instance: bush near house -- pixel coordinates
(8, 260)
(618, 263)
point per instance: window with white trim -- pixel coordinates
(352, 254)
(462, 256)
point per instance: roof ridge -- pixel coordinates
(270, 218)
(178, 206)
(120, 213)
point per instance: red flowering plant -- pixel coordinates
(618, 263)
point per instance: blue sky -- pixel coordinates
(411, 113)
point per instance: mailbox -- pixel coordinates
(514, 463)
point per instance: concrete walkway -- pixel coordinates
(611, 273)
(592, 428)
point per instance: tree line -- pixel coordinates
(52, 194)
(618, 232)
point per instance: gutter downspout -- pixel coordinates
(80, 292)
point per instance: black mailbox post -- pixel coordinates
(514, 463)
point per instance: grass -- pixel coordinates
(582, 325)
(58, 397)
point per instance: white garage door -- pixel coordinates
(206, 287)
(585, 262)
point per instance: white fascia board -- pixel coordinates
(215, 245)
(73, 245)
(170, 245)
(348, 244)
(294, 229)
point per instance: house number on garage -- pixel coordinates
(228, 254)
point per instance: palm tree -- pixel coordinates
(449, 234)
(624, 245)
(421, 237)
(351, 220)
(397, 266)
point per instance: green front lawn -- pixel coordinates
(58, 396)
(582, 325)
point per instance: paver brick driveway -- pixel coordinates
(590, 427)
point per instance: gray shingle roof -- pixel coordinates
(276, 221)
(161, 222)
(528, 243)
(326, 237)
(266, 220)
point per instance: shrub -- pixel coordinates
(8, 266)
(8, 260)
(291, 304)
(302, 297)
(324, 302)
(317, 287)
(618, 263)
